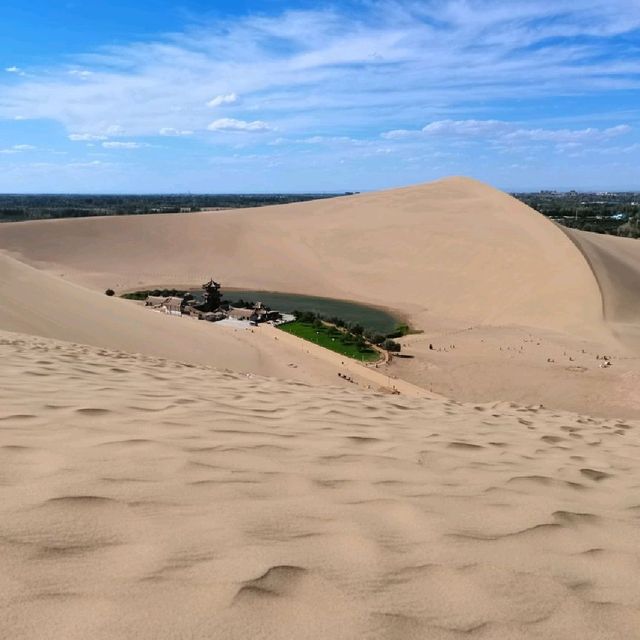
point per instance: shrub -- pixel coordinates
(374, 338)
(307, 317)
(391, 345)
(110, 292)
(399, 331)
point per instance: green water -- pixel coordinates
(370, 318)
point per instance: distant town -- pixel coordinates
(614, 213)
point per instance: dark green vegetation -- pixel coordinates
(330, 337)
(350, 340)
(16, 208)
(612, 213)
(163, 293)
(371, 318)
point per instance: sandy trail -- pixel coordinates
(144, 498)
(369, 377)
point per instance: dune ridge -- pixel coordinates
(615, 263)
(455, 248)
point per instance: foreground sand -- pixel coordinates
(141, 498)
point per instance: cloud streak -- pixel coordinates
(123, 145)
(231, 124)
(228, 98)
(17, 148)
(505, 132)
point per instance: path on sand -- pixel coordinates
(370, 377)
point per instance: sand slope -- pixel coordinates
(455, 248)
(141, 497)
(39, 303)
(146, 499)
(616, 265)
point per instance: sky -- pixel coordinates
(238, 96)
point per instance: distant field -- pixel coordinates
(17, 208)
(330, 339)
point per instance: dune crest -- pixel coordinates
(454, 248)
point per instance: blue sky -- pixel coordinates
(159, 96)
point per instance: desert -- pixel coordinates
(164, 478)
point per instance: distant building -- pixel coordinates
(172, 305)
(211, 309)
(256, 315)
(240, 313)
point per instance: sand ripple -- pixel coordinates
(198, 504)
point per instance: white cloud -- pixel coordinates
(170, 131)
(85, 137)
(391, 63)
(17, 148)
(467, 127)
(398, 134)
(17, 70)
(569, 135)
(501, 130)
(231, 124)
(81, 73)
(124, 145)
(228, 98)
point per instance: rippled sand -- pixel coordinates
(141, 498)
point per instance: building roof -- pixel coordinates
(240, 313)
(160, 301)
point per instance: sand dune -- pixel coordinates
(616, 265)
(452, 256)
(455, 248)
(41, 304)
(142, 498)
(149, 498)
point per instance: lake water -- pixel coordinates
(370, 318)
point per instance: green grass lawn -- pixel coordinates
(329, 338)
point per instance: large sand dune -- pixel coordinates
(142, 497)
(543, 302)
(455, 248)
(145, 499)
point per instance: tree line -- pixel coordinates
(355, 332)
(18, 208)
